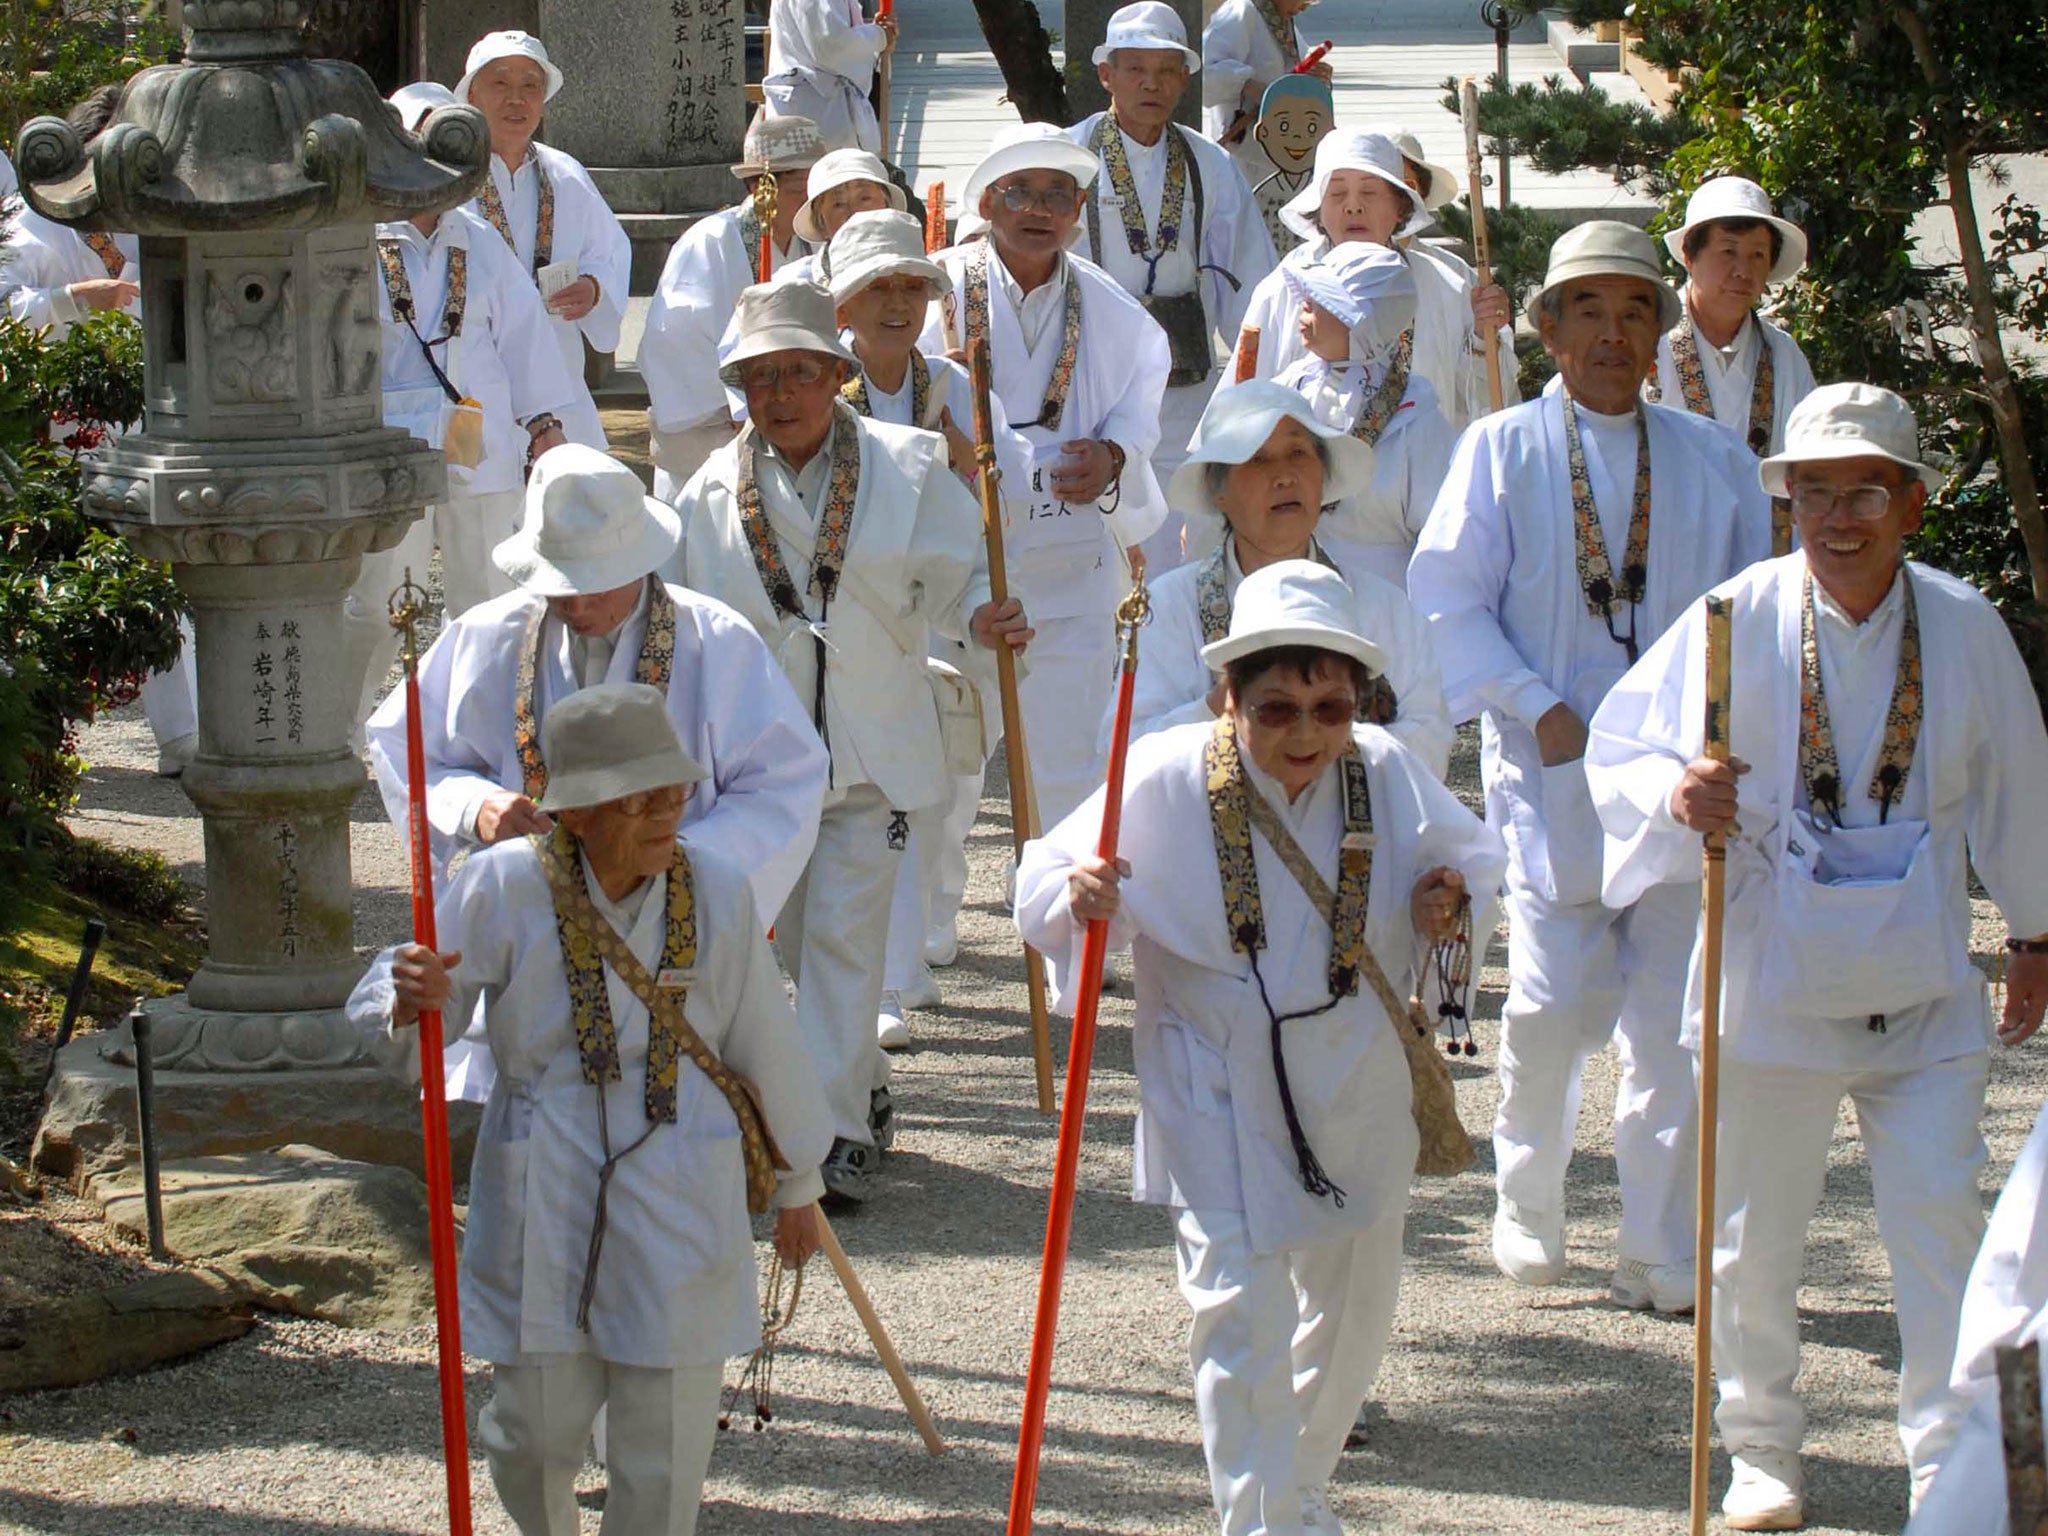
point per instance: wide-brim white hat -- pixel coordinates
(415, 101)
(1236, 424)
(879, 243)
(493, 46)
(786, 316)
(609, 741)
(1361, 284)
(1848, 421)
(1027, 147)
(1443, 181)
(790, 143)
(1737, 197)
(1293, 602)
(1352, 149)
(589, 527)
(836, 170)
(1606, 248)
(1148, 24)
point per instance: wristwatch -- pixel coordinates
(546, 421)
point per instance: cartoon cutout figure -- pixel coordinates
(1294, 114)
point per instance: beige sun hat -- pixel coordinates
(880, 243)
(609, 741)
(1351, 149)
(415, 101)
(1293, 602)
(1236, 424)
(1442, 181)
(836, 170)
(787, 316)
(779, 144)
(589, 527)
(1027, 147)
(1848, 421)
(1737, 197)
(1148, 24)
(493, 46)
(1605, 248)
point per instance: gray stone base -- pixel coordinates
(667, 188)
(651, 235)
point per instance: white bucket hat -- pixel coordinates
(609, 741)
(1848, 421)
(836, 170)
(1351, 149)
(1293, 602)
(789, 316)
(1736, 197)
(1605, 248)
(881, 243)
(493, 46)
(1443, 181)
(779, 144)
(1362, 285)
(589, 527)
(1027, 147)
(1239, 419)
(1148, 24)
(415, 101)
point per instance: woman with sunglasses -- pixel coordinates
(1282, 865)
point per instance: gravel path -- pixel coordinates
(1500, 1410)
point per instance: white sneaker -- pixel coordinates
(1764, 1495)
(892, 1030)
(1528, 1248)
(923, 992)
(1317, 1519)
(942, 944)
(1642, 1287)
(174, 757)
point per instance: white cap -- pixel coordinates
(836, 170)
(1605, 248)
(609, 741)
(1351, 149)
(878, 243)
(493, 46)
(589, 527)
(1148, 24)
(415, 101)
(1443, 181)
(1236, 424)
(1027, 147)
(1848, 421)
(1293, 602)
(789, 316)
(1736, 197)
(1369, 288)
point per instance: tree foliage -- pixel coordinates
(55, 52)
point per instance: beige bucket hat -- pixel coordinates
(1442, 181)
(1293, 602)
(779, 144)
(789, 316)
(589, 527)
(1848, 421)
(1605, 248)
(610, 741)
(881, 243)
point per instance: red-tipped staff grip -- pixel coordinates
(1059, 1219)
(405, 608)
(1313, 57)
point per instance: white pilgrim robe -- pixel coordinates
(1211, 1134)
(10, 185)
(1239, 49)
(729, 703)
(40, 259)
(676, 1282)
(1173, 681)
(586, 233)
(1732, 375)
(1381, 524)
(952, 390)
(822, 57)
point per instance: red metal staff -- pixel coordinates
(406, 605)
(1059, 1220)
(1247, 354)
(1313, 57)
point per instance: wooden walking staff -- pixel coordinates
(1023, 810)
(406, 605)
(879, 1337)
(1482, 258)
(1059, 1219)
(1712, 902)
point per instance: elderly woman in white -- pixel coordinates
(1254, 487)
(652, 1092)
(1274, 1097)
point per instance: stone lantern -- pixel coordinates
(263, 473)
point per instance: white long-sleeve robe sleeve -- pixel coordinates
(706, 270)
(40, 260)
(820, 34)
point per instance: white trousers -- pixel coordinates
(537, 1423)
(832, 933)
(1284, 1347)
(1180, 411)
(170, 698)
(949, 872)
(1063, 700)
(910, 899)
(1920, 1130)
(1578, 976)
(466, 531)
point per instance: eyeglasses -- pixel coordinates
(1866, 503)
(1020, 196)
(1281, 714)
(803, 373)
(666, 798)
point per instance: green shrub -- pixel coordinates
(140, 882)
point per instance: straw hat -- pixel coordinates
(589, 527)
(1442, 181)
(880, 243)
(1351, 149)
(1360, 283)
(1848, 421)
(789, 316)
(609, 741)
(1239, 419)
(1148, 24)
(1027, 147)
(1605, 248)
(1736, 197)
(415, 101)
(493, 46)
(779, 144)
(836, 170)
(1293, 602)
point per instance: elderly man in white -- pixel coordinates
(1246, 46)
(1886, 743)
(1170, 217)
(688, 415)
(653, 1092)
(1080, 368)
(548, 211)
(1261, 471)
(846, 543)
(1569, 534)
(1285, 1157)
(1751, 373)
(822, 57)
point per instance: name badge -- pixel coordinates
(1359, 842)
(674, 978)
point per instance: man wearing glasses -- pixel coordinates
(1885, 742)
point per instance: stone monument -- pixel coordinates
(1087, 20)
(263, 472)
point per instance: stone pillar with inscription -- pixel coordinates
(263, 472)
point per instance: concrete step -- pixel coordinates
(1618, 87)
(1583, 53)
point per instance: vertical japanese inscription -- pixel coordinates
(263, 667)
(285, 838)
(704, 74)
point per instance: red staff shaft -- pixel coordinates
(1313, 57)
(434, 1097)
(1059, 1219)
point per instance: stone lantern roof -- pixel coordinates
(250, 134)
